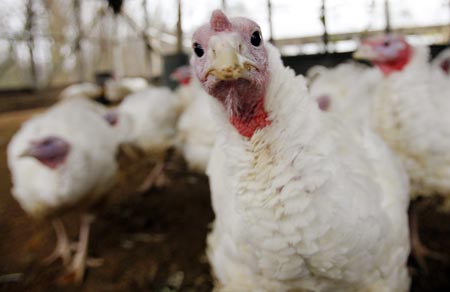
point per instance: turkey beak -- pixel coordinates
(27, 153)
(227, 64)
(364, 52)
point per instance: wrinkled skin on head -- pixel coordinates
(390, 53)
(51, 151)
(112, 117)
(238, 79)
(324, 102)
(182, 75)
(445, 66)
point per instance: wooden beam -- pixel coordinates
(442, 29)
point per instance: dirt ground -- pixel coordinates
(149, 242)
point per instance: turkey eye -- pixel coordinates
(256, 38)
(386, 43)
(198, 50)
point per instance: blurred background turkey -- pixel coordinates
(101, 116)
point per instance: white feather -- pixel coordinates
(88, 172)
(415, 124)
(148, 119)
(116, 90)
(307, 203)
(196, 130)
(350, 88)
(85, 89)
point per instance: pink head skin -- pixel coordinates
(324, 102)
(112, 117)
(390, 53)
(445, 66)
(231, 63)
(51, 151)
(182, 75)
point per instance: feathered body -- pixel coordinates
(188, 88)
(349, 88)
(85, 89)
(148, 119)
(87, 172)
(116, 90)
(196, 131)
(303, 204)
(413, 120)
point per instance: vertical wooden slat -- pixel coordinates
(387, 16)
(77, 45)
(147, 40)
(179, 30)
(29, 30)
(323, 19)
(269, 13)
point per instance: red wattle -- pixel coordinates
(398, 64)
(247, 123)
(445, 66)
(186, 80)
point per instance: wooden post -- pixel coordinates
(179, 30)
(147, 40)
(387, 16)
(77, 49)
(117, 57)
(29, 24)
(448, 37)
(323, 19)
(269, 13)
(224, 5)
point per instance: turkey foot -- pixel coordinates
(63, 247)
(156, 177)
(75, 272)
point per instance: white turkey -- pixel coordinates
(85, 90)
(411, 117)
(118, 89)
(195, 127)
(302, 203)
(147, 120)
(346, 90)
(187, 90)
(152, 115)
(60, 161)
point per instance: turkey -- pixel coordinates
(302, 203)
(147, 120)
(195, 128)
(346, 89)
(152, 115)
(85, 89)
(64, 160)
(118, 89)
(411, 117)
(187, 89)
